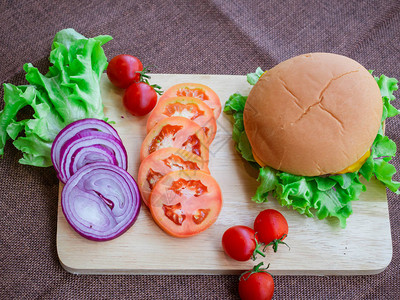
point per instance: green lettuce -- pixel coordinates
(322, 197)
(383, 149)
(235, 106)
(69, 91)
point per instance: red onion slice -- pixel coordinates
(100, 201)
(72, 129)
(84, 141)
(85, 156)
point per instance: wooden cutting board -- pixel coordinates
(317, 247)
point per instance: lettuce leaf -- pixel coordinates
(383, 149)
(69, 91)
(235, 106)
(322, 197)
(252, 78)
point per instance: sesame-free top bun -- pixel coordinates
(313, 114)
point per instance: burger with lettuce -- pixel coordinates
(314, 125)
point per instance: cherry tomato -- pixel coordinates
(188, 107)
(176, 132)
(122, 70)
(184, 203)
(239, 242)
(271, 227)
(139, 98)
(196, 90)
(163, 161)
(256, 284)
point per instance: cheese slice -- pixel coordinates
(357, 165)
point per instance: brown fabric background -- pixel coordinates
(217, 37)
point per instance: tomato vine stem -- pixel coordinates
(256, 269)
(144, 77)
(276, 242)
(257, 249)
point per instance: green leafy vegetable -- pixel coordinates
(69, 91)
(235, 106)
(323, 197)
(383, 149)
(252, 78)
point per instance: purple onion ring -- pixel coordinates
(72, 129)
(90, 141)
(100, 201)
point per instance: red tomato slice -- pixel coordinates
(163, 161)
(185, 203)
(196, 90)
(178, 132)
(188, 107)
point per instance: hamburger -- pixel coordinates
(313, 124)
(313, 115)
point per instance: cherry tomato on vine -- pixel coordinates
(271, 227)
(123, 70)
(256, 284)
(140, 98)
(240, 243)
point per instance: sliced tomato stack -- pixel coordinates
(195, 90)
(163, 161)
(189, 107)
(176, 132)
(174, 179)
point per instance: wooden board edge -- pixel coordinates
(220, 272)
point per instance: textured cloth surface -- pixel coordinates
(216, 37)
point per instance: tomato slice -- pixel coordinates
(163, 161)
(185, 203)
(178, 132)
(196, 90)
(188, 107)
